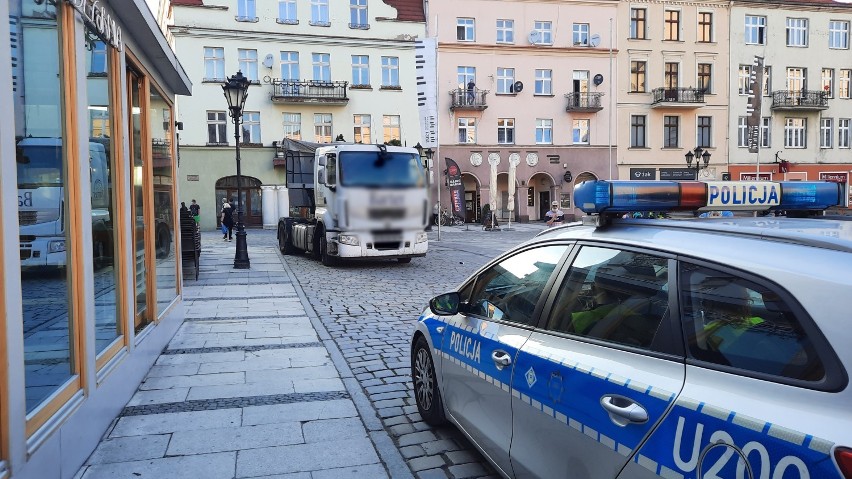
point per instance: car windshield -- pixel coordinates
(39, 166)
(370, 169)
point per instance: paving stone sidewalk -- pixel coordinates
(250, 386)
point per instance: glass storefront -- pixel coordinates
(135, 89)
(160, 118)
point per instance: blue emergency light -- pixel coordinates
(596, 197)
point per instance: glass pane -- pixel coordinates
(101, 173)
(138, 204)
(42, 198)
(160, 116)
(255, 202)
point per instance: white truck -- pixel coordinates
(350, 201)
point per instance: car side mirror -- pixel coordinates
(446, 304)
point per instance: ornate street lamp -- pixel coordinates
(236, 91)
(698, 155)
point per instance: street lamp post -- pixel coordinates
(236, 91)
(699, 155)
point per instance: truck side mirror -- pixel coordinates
(321, 175)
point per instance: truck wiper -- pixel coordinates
(382, 158)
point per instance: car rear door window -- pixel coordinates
(732, 321)
(613, 295)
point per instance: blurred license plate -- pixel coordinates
(385, 238)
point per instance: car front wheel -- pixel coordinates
(426, 393)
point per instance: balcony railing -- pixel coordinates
(799, 100)
(464, 99)
(584, 102)
(309, 91)
(678, 97)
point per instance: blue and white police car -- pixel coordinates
(632, 348)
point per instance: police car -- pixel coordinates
(633, 348)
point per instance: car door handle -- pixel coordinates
(501, 358)
(623, 410)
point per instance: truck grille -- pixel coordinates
(27, 238)
(27, 217)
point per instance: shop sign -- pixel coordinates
(755, 176)
(101, 20)
(643, 174)
(677, 174)
(834, 177)
(191, 177)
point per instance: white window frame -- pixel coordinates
(290, 61)
(545, 32)
(742, 132)
(465, 29)
(361, 70)
(319, 13)
(505, 81)
(844, 83)
(251, 128)
(543, 82)
(465, 75)
(507, 127)
(505, 31)
(390, 71)
(220, 122)
(543, 131)
(826, 132)
(288, 12)
(578, 128)
(323, 128)
(743, 79)
(246, 11)
(466, 130)
(767, 80)
(827, 82)
(796, 32)
(766, 132)
(321, 66)
(363, 130)
(755, 25)
(358, 11)
(843, 132)
(391, 129)
(292, 123)
(248, 64)
(795, 133)
(580, 34)
(214, 64)
(838, 35)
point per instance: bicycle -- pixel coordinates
(447, 219)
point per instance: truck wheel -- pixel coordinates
(404, 260)
(163, 242)
(285, 243)
(326, 258)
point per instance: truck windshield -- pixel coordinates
(366, 168)
(39, 166)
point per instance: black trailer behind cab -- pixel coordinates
(298, 160)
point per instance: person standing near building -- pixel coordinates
(471, 92)
(555, 216)
(195, 211)
(227, 218)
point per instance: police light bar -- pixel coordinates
(630, 196)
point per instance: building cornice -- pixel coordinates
(300, 38)
(524, 49)
(690, 3)
(794, 5)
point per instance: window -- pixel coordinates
(795, 132)
(705, 27)
(616, 296)
(216, 125)
(246, 10)
(638, 22)
(467, 130)
(672, 28)
(735, 322)
(505, 31)
(248, 64)
(465, 29)
(506, 131)
(290, 66)
(466, 75)
(672, 75)
(580, 34)
(703, 127)
(511, 289)
(742, 132)
(319, 13)
(362, 128)
(322, 128)
(755, 30)
(826, 132)
(544, 33)
(358, 14)
(580, 132)
(765, 129)
(214, 64)
(838, 35)
(251, 127)
(322, 67)
(671, 131)
(744, 80)
(287, 12)
(505, 80)
(843, 84)
(828, 82)
(796, 80)
(390, 127)
(797, 32)
(705, 77)
(843, 133)
(637, 131)
(98, 63)
(637, 76)
(543, 131)
(293, 126)
(543, 82)
(360, 70)
(390, 71)
(767, 81)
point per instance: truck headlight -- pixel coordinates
(351, 240)
(56, 246)
(422, 237)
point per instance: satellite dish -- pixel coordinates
(517, 87)
(597, 79)
(267, 61)
(535, 37)
(595, 40)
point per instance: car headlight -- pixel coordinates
(56, 246)
(422, 237)
(351, 240)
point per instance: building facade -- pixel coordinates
(673, 88)
(524, 95)
(320, 70)
(806, 107)
(90, 295)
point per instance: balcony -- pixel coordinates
(464, 99)
(678, 98)
(584, 102)
(309, 91)
(799, 100)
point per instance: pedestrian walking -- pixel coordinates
(195, 211)
(227, 219)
